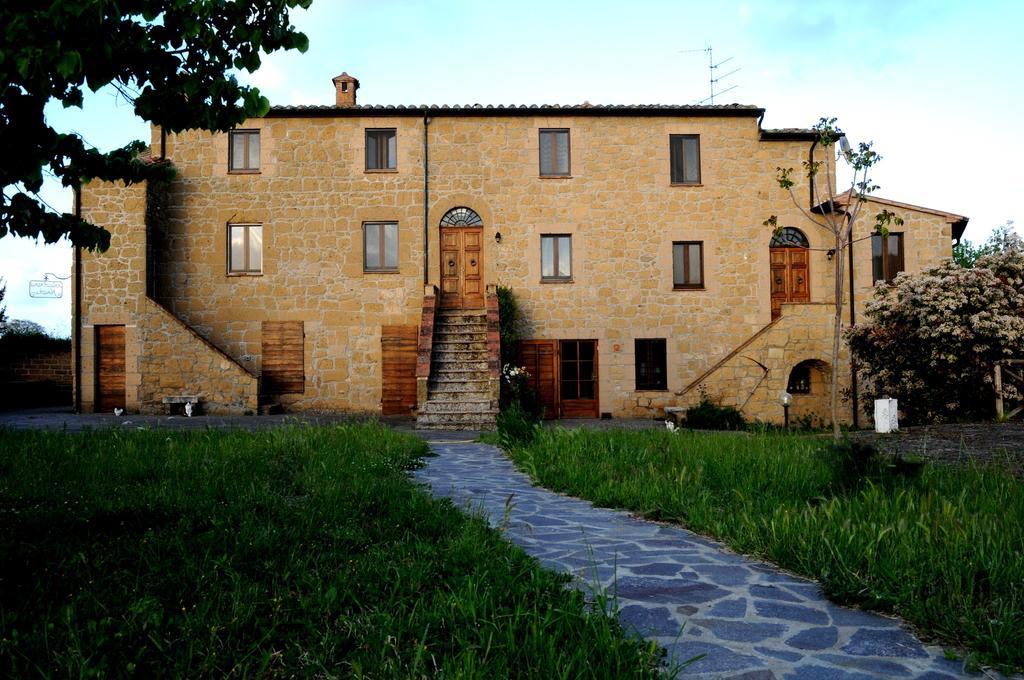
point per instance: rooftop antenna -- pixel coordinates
(713, 78)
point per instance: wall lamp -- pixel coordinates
(830, 254)
(497, 237)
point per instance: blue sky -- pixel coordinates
(936, 85)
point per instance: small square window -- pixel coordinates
(381, 149)
(380, 247)
(651, 373)
(244, 151)
(554, 153)
(687, 264)
(556, 257)
(685, 153)
(245, 248)
(886, 256)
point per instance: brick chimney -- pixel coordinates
(345, 87)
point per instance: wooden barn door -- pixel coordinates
(790, 279)
(110, 371)
(462, 266)
(283, 363)
(398, 369)
(538, 357)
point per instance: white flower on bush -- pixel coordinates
(510, 373)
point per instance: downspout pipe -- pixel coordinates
(853, 320)
(77, 309)
(426, 200)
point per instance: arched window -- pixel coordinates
(789, 237)
(800, 378)
(461, 217)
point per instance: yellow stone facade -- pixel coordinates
(313, 194)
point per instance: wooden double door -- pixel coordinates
(564, 375)
(462, 266)
(790, 278)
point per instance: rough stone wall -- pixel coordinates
(178, 362)
(114, 281)
(54, 367)
(313, 195)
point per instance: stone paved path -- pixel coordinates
(750, 619)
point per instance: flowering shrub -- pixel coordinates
(515, 387)
(932, 338)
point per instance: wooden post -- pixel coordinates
(999, 391)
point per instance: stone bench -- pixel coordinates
(176, 403)
(673, 412)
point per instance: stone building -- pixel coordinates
(345, 257)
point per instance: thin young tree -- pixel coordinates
(837, 213)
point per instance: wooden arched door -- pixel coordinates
(790, 269)
(462, 260)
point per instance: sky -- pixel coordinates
(935, 84)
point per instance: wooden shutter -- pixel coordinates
(283, 361)
(538, 358)
(110, 371)
(398, 369)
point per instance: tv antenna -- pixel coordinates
(713, 77)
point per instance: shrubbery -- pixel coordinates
(931, 339)
(710, 416)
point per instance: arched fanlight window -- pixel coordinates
(789, 237)
(461, 217)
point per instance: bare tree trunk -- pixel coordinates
(837, 334)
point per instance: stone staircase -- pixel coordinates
(459, 389)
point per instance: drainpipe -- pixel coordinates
(426, 200)
(853, 320)
(77, 309)
(810, 182)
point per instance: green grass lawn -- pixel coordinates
(288, 552)
(945, 551)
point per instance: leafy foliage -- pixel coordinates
(508, 325)
(931, 338)
(516, 425)
(1003, 238)
(20, 337)
(3, 307)
(707, 415)
(170, 58)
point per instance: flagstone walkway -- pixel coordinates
(688, 593)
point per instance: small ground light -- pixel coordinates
(786, 398)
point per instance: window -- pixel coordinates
(800, 379)
(556, 257)
(245, 249)
(554, 153)
(381, 149)
(380, 247)
(244, 151)
(886, 256)
(687, 264)
(685, 153)
(651, 373)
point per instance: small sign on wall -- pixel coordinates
(45, 289)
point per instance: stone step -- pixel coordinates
(456, 421)
(458, 395)
(444, 363)
(461, 406)
(456, 357)
(440, 384)
(474, 314)
(449, 346)
(459, 337)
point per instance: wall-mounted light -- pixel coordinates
(497, 237)
(830, 254)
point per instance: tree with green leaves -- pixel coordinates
(837, 213)
(1004, 238)
(172, 59)
(3, 307)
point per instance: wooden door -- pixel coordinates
(790, 281)
(398, 369)
(110, 382)
(538, 358)
(283, 359)
(462, 266)
(577, 378)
